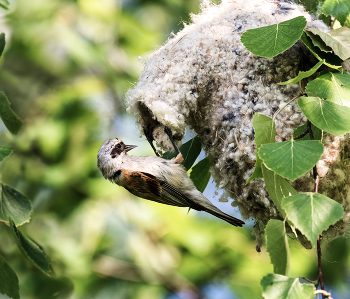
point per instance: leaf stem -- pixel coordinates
(311, 281)
(274, 117)
(306, 92)
(3, 221)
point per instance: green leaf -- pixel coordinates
(338, 40)
(317, 133)
(8, 280)
(265, 132)
(312, 213)
(335, 87)
(278, 188)
(5, 151)
(14, 205)
(331, 60)
(12, 122)
(339, 9)
(200, 174)
(276, 286)
(272, 40)
(326, 115)
(189, 150)
(318, 42)
(2, 43)
(169, 155)
(4, 4)
(303, 75)
(31, 250)
(291, 159)
(277, 246)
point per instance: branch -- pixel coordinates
(319, 252)
(302, 134)
(319, 255)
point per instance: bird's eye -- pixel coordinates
(119, 146)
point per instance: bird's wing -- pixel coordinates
(171, 193)
(150, 187)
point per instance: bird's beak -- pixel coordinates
(129, 147)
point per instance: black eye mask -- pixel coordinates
(117, 150)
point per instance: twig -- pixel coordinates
(319, 255)
(308, 127)
(316, 183)
(302, 134)
(319, 252)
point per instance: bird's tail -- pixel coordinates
(232, 220)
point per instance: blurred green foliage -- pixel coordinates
(65, 69)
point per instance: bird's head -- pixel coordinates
(110, 150)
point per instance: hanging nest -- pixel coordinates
(205, 79)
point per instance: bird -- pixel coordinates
(154, 178)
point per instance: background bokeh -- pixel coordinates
(66, 67)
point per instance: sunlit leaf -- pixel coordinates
(326, 115)
(334, 87)
(276, 286)
(189, 150)
(339, 9)
(200, 174)
(2, 43)
(277, 246)
(12, 122)
(331, 60)
(14, 205)
(265, 132)
(272, 40)
(31, 250)
(312, 213)
(8, 280)
(4, 4)
(338, 40)
(303, 75)
(5, 151)
(291, 159)
(317, 133)
(277, 187)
